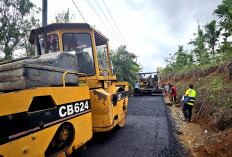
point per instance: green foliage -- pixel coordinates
(212, 35)
(214, 89)
(125, 66)
(199, 50)
(64, 17)
(182, 87)
(16, 20)
(205, 42)
(180, 62)
(224, 13)
(217, 89)
(182, 58)
(225, 51)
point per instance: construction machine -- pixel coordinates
(148, 84)
(53, 102)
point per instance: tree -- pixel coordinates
(178, 62)
(15, 22)
(225, 51)
(64, 17)
(224, 13)
(125, 65)
(199, 44)
(29, 48)
(203, 42)
(182, 57)
(212, 35)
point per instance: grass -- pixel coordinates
(185, 69)
(214, 88)
(219, 95)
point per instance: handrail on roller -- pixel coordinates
(69, 72)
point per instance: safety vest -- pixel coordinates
(192, 95)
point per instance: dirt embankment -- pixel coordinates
(213, 105)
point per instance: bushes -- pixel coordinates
(125, 66)
(207, 49)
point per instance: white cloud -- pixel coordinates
(153, 29)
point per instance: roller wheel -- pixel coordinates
(62, 139)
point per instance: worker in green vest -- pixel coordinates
(190, 96)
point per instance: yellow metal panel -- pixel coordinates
(36, 144)
(112, 88)
(103, 110)
(123, 84)
(31, 145)
(83, 131)
(20, 101)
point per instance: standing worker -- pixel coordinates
(166, 89)
(162, 86)
(169, 92)
(190, 95)
(173, 94)
(136, 88)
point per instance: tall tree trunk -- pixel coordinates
(213, 55)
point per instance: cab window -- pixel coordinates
(52, 44)
(112, 67)
(80, 45)
(102, 55)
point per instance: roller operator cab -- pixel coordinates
(52, 103)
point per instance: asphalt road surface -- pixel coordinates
(147, 133)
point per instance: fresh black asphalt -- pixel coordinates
(147, 133)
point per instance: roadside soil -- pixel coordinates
(196, 139)
(210, 133)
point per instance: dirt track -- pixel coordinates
(147, 133)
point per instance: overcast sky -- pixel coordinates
(153, 29)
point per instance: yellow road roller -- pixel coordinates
(53, 102)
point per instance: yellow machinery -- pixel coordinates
(148, 84)
(55, 121)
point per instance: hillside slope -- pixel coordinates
(213, 106)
